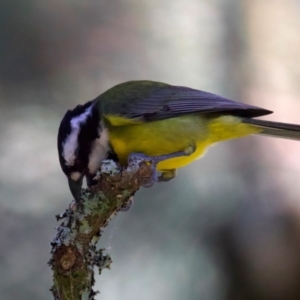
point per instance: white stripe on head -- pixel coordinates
(71, 143)
(99, 150)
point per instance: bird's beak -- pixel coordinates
(75, 187)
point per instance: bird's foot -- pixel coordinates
(153, 163)
(154, 160)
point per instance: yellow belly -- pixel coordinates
(173, 135)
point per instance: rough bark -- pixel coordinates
(74, 248)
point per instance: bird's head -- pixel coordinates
(82, 144)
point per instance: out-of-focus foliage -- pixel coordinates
(227, 227)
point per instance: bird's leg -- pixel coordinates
(154, 160)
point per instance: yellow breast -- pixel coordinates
(173, 135)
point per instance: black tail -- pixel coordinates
(276, 129)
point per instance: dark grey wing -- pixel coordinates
(158, 101)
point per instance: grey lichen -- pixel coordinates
(74, 252)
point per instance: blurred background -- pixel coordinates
(228, 227)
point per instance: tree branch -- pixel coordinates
(74, 252)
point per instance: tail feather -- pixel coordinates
(276, 129)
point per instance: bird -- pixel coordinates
(169, 125)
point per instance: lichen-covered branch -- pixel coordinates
(74, 252)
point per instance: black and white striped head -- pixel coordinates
(82, 144)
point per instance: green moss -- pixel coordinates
(95, 204)
(73, 284)
(85, 227)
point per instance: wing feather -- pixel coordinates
(150, 101)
